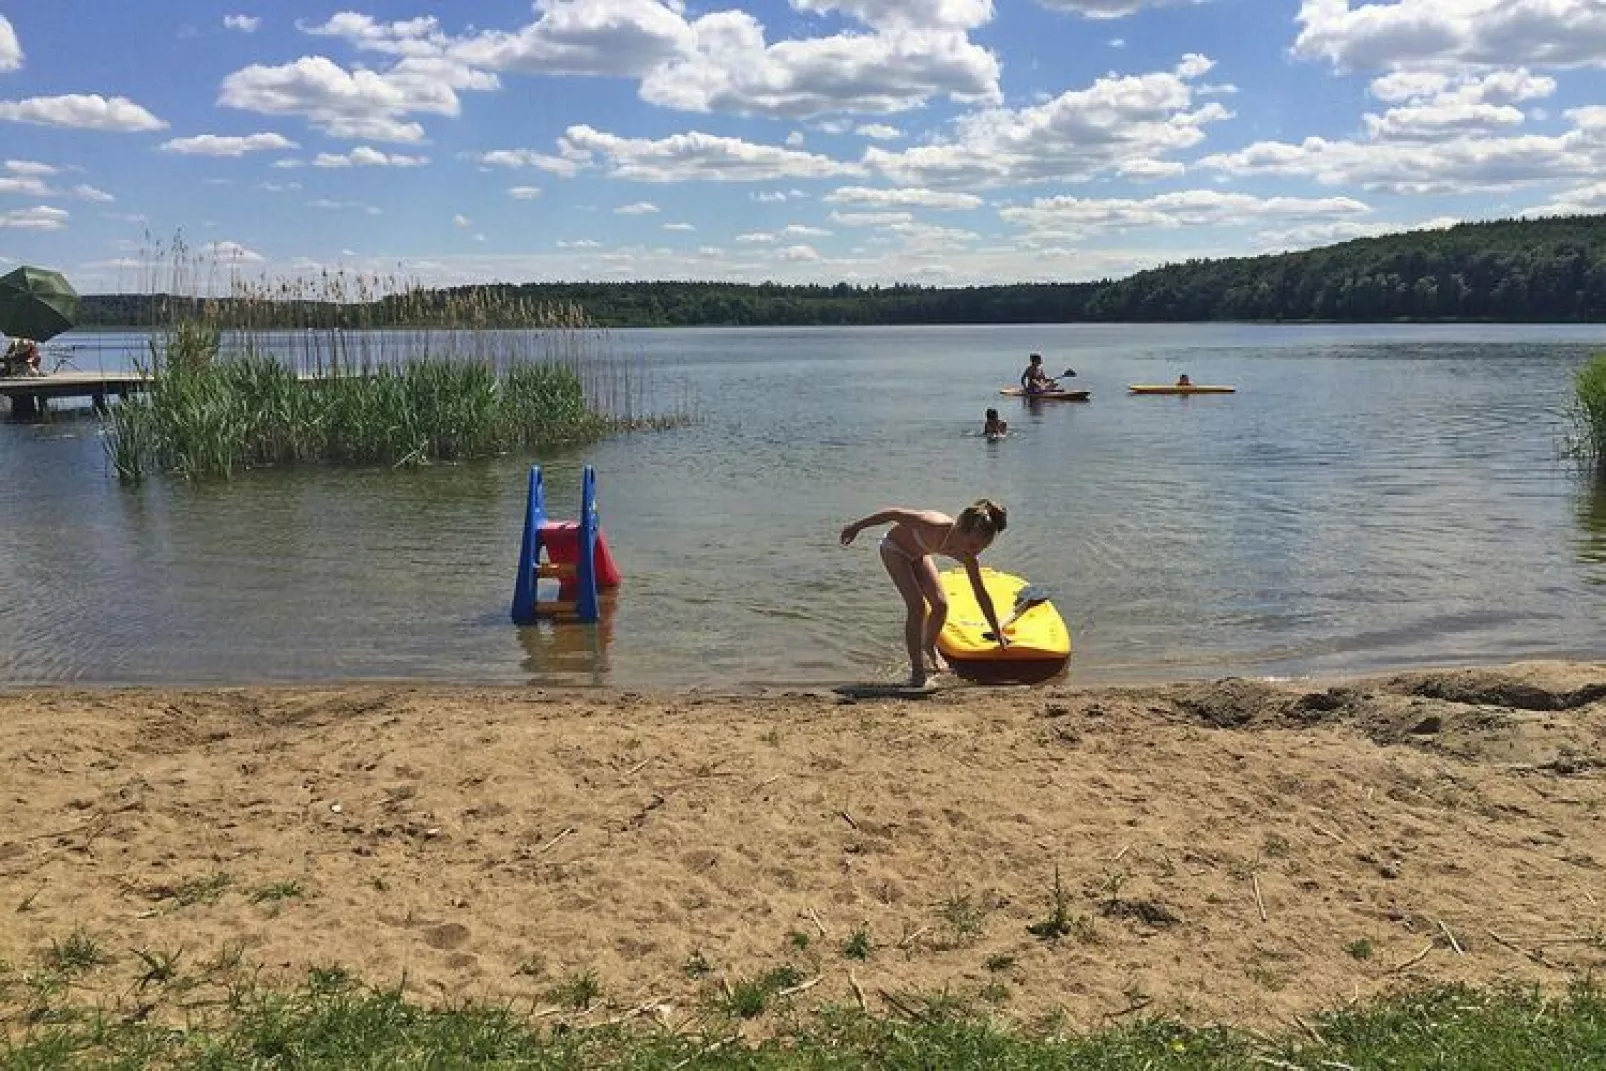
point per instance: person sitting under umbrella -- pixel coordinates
(21, 359)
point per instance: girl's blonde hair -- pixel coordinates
(984, 517)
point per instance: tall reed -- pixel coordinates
(1589, 414)
(361, 370)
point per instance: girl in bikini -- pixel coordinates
(906, 551)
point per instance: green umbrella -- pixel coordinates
(36, 303)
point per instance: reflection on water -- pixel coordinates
(568, 651)
(1371, 497)
(1592, 525)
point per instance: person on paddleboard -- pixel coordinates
(906, 551)
(1034, 380)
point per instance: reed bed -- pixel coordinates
(342, 369)
(1589, 414)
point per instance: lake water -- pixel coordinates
(1372, 497)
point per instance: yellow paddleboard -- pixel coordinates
(1039, 644)
(1174, 388)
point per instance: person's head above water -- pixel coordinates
(992, 414)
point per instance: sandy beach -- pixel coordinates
(1231, 850)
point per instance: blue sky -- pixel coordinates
(931, 141)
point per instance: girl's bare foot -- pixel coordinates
(939, 664)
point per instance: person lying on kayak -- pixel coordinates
(995, 427)
(1034, 379)
(1184, 381)
(906, 552)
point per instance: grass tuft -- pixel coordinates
(79, 952)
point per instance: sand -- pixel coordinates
(1226, 851)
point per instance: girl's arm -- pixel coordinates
(886, 516)
(984, 600)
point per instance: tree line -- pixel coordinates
(1540, 270)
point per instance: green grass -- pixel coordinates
(1589, 414)
(858, 944)
(79, 952)
(336, 1024)
(277, 891)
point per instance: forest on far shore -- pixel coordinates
(1550, 270)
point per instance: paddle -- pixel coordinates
(1027, 597)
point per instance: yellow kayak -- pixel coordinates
(1173, 388)
(1039, 644)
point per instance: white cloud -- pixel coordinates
(1586, 200)
(462, 222)
(524, 193)
(1431, 106)
(10, 47)
(927, 236)
(626, 38)
(82, 111)
(38, 218)
(679, 227)
(277, 187)
(1443, 138)
(366, 156)
(582, 243)
(639, 208)
(29, 167)
(227, 145)
(1119, 123)
(802, 230)
(775, 197)
(1106, 9)
(232, 251)
(26, 178)
(878, 131)
(243, 23)
(909, 197)
(797, 252)
(795, 139)
(731, 68)
(908, 14)
(1076, 217)
(695, 155)
(755, 237)
(26, 186)
(1449, 33)
(356, 206)
(410, 37)
(1311, 235)
(517, 158)
(359, 103)
(374, 128)
(871, 219)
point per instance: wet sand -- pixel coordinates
(1231, 850)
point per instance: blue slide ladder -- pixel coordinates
(578, 576)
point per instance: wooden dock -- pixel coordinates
(29, 394)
